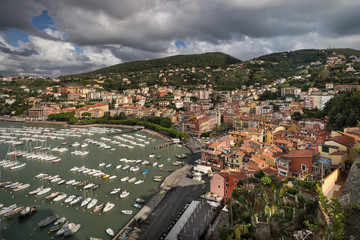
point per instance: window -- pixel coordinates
(227, 185)
(281, 172)
(303, 167)
(226, 191)
(218, 179)
(218, 186)
(325, 149)
(236, 181)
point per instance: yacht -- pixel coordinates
(108, 206)
(60, 197)
(124, 179)
(99, 207)
(70, 198)
(72, 230)
(45, 190)
(48, 220)
(64, 228)
(115, 191)
(85, 202)
(110, 231)
(132, 180)
(124, 194)
(127, 212)
(92, 203)
(139, 181)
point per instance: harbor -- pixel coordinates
(111, 150)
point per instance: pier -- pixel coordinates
(163, 145)
(135, 129)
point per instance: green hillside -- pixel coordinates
(214, 59)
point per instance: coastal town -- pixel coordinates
(264, 147)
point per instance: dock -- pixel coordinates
(135, 129)
(163, 145)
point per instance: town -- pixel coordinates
(254, 139)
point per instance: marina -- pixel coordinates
(80, 175)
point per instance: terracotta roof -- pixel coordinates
(240, 153)
(343, 140)
(270, 170)
(300, 153)
(257, 160)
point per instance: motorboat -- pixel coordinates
(139, 181)
(126, 167)
(3, 184)
(161, 165)
(36, 190)
(154, 164)
(60, 197)
(124, 179)
(99, 207)
(61, 182)
(70, 198)
(92, 203)
(45, 190)
(136, 205)
(26, 212)
(108, 165)
(115, 191)
(124, 194)
(17, 166)
(90, 185)
(48, 220)
(108, 206)
(139, 200)
(58, 226)
(7, 209)
(132, 180)
(52, 195)
(101, 164)
(146, 171)
(134, 169)
(21, 187)
(76, 201)
(152, 155)
(127, 212)
(85, 202)
(41, 175)
(64, 228)
(10, 185)
(14, 211)
(112, 177)
(72, 230)
(110, 231)
(105, 176)
(118, 166)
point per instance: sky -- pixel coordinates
(60, 37)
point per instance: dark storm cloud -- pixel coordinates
(112, 31)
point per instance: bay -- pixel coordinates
(92, 224)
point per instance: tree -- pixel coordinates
(266, 180)
(86, 114)
(236, 232)
(260, 174)
(296, 116)
(73, 120)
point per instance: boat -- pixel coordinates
(115, 191)
(36, 190)
(96, 186)
(176, 163)
(99, 207)
(64, 228)
(52, 195)
(60, 220)
(85, 202)
(10, 185)
(17, 166)
(105, 176)
(21, 187)
(127, 212)
(72, 230)
(60, 197)
(126, 167)
(26, 212)
(70, 198)
(110, 231)
(61, 182)
(82, 184)
(152, 155)
(168, 159)
(145, 171)
(101, 164)
(154, 164)
(158, 156)
(56, 160)
(134, 169)
(92, 203)
(139, 200)
(124, 194)
(14, 211)
(57, 226)
(7, 209)
(118, 166)
(90, 185)
(161, 165)
(76, 201)
(124, 179)
(136, 205)
(45, 190)
(132, 180)
(3, 184)
(112, 177)
(139, 181)
(108, 165)
(48, 220)
(179, 145)
(108, 206)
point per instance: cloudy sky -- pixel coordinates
(59, 37)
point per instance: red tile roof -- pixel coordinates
(344, 140)
(300, 153)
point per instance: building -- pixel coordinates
(317, 100)
(346, 87)
(223, 183)
(39, 113)
(290, 91)
(197, 125)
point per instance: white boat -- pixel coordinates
(127, 212)
(65, 228)
(72, 230)
(155, 164)
(45, 190)
(60, 197)
(56, 179)
(52, 195)
(70, 182)
(132, 180)
(61, 182)
(134, 169)
(118, 166)
(101, 164)
(115, 191)
(125, 167)
(41, 175)
(108, 206)
(36, 190)
(7, 209)
(18, 165)
(90, 185)
(124, 194)
(84, 145)
(76, 200)
(92, 203)
(74, 169)
(85, 202)
(139, 181)
(124, 179)
(152, 155)
(108, 165)
(70, 198)
(112, 177)
(110, 231)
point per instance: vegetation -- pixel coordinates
(62, 116)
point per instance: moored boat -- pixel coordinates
(14, 211)
(72, 230)
(124, 194)
(45, 190)
(108, 206)
(136, 205)
(48, 220)
(26, 212)
(60, 197)
(127, 212)
(115, 191)
(110, 231)
(99, 207)
(92, 203)
(64, 228)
